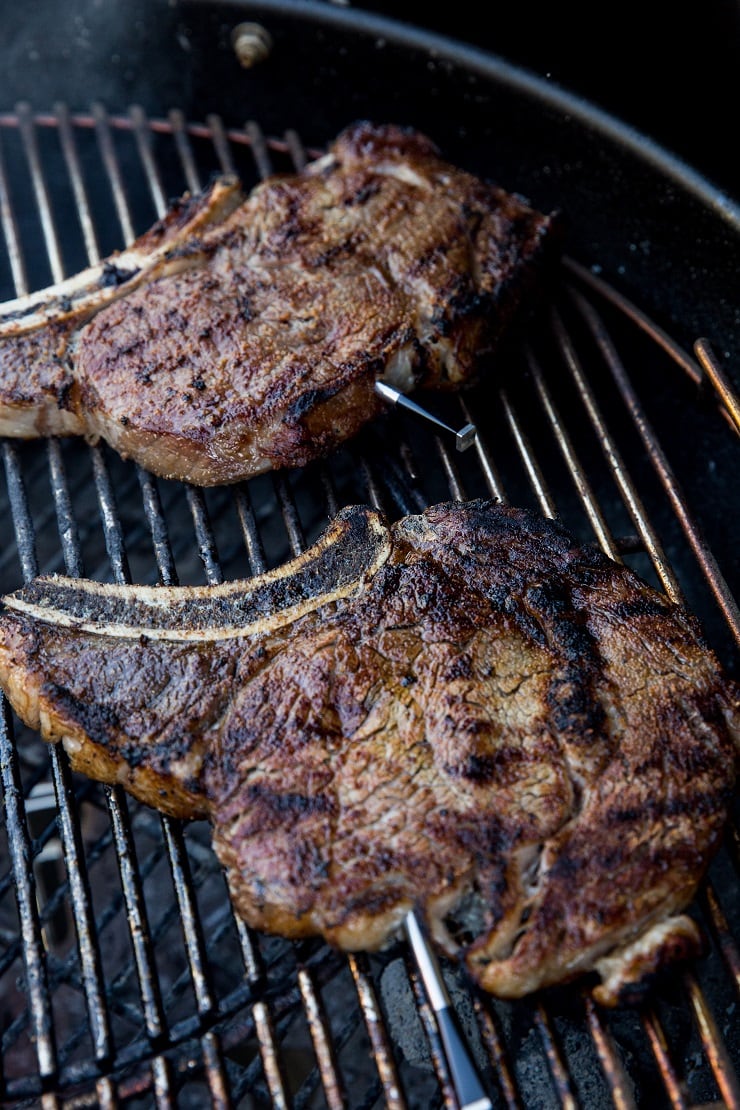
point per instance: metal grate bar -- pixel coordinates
(385, 478)
(150, 994)
(268, 1052)
(20, 512)
(636, 510)
(263, 1022)
(662, 467)
(431, 1031)
(252, 538)
(183, 881)
(714, 372)
(667, 1071)
(66, 522)
(322, 1041)
(714, 1047)
(620, 1086)
(260, 152)
(494, 1043)
(560, 1077)
(293, 526)
(10, 233)
(19, 845)
(727, 945)
(207, 550)
(429, 1022)
(67, 815)
(87, 938)
(604, 1044)
(112, 531)
(639, 318)
(185, 151)
(113, 172)
(146, 155)
(577, 471)
(409, 471)
(524, 448)
(296, 149)
(221, 144)
(488, 468)
(617, 466)
(329, 490)
(206, 540)
(377, 1032)
(155, 517)
(41, 191)
(373, 495)
(192, 930)
(33, 474)
(74, 171)
(451, 472)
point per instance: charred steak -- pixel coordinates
(467, 713)
(244, 334)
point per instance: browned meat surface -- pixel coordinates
(467, 713)
(248, 333)
(39, 384)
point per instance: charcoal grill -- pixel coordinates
(125, 978)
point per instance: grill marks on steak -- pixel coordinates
(483, 720)
(39, 385)
(244, 334)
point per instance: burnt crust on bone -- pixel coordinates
(351, 549)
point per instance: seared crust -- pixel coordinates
(39, 390)
(257, 344)
(495, 725)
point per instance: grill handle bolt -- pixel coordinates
(252, 44)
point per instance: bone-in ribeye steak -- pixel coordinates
(244, 334)
(467, 713)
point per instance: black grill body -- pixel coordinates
(125, 977)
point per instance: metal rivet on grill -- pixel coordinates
(252, 43)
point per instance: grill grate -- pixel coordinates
(124, 975)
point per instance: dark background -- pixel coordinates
(670, 70)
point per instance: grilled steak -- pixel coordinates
(244, 334)
(467, 713)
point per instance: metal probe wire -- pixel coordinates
(465, 1080)
(464, 438)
